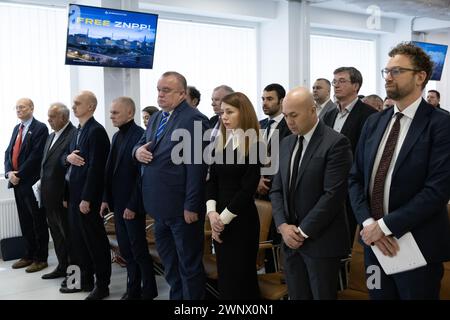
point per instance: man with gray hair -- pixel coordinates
(52, 184)
(121, 196)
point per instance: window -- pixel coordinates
(208, 55)
(31, 62)
(330, 52)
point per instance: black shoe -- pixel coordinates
(54, 274)
(98, 294)
(73, 290)
(127, 296)
(64, 283)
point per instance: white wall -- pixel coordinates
(386, 42)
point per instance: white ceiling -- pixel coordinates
(437, 9)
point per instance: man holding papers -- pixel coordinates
(400, 183)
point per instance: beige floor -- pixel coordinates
(16, 284)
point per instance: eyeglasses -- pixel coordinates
(339, 81)
(395, 72)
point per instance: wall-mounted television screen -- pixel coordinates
(437, 52)
(110, 37)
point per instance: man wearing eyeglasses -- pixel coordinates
(349, 116)
(22, 166)
(173, 193)
(400, 181)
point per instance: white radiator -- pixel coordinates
(9, 220)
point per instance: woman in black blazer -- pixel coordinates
(231, 208)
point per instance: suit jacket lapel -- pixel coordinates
(418, 124)
(169, 125)
(310, 150)
(121, 149)
(47, 146)
(27, 136)
(287, 160)
(60, 140)
(352, 119)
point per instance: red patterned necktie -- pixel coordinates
(16, 149)
(377, 199)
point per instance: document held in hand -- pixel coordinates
(409, 256)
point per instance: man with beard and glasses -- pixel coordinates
(400, 181)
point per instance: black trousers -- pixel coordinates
(59, 229)
(134, 249)
(33, 225)
(90, 245)
(310, 278)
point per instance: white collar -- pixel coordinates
(410, 110)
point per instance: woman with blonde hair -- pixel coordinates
(230, 192)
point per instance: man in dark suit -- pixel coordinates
(272, 98)
(173, 189)
(52, 184)
(87, 155)
(400, 181)
(22, 162)
(349, 116)
(216, 102)
(308, 200)
(122, 196)
(321, 93)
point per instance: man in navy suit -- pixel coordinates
(173, 193)
(22, 166)
(121, 195)
(86, 160)
(400, 180)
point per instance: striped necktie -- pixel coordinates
(162, 124)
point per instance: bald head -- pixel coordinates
(24, 109)
(299, 110)
(90, 97)
(84, 105)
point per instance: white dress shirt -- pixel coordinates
(57, 135)
(277, 120)
(342, 115)
(405, 122)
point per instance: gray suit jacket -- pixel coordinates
(52, 170)
(329, 106)
(321, 190)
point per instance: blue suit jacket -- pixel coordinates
(420, 187)
(168, 188)
(122, 178)
(86, 182)
(30, 155)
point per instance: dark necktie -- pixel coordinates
(162, 124)
(292, 182)
(268, 129)
(16, 148)
(377, 199)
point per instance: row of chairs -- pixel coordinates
(272, 285)
(357, 288)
